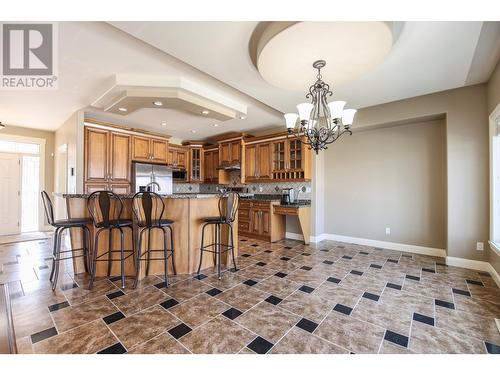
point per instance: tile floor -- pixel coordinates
(286, 297)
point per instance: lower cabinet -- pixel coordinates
(257, 220)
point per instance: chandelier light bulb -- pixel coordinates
(304, 111)
(291, 120)
(348, 116)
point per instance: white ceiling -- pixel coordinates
(427, 57)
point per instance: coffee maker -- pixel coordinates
(287, 196)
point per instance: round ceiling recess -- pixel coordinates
(286, 51)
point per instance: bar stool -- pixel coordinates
(106, 209)
(148, 208)
(60, 226)
(228, 208)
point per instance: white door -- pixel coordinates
(9, 193)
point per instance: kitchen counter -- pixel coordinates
(164, 196)
(187, 212)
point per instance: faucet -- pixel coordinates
(153, 183)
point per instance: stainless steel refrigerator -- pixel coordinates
(144, 174)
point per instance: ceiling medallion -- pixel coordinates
(321, 123)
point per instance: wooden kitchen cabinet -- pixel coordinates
(195, 165)
(177, 157)
(96, 155)
(257, 220)
(258, 162)
(150, 150)
(291, 160)
(119, 158)
(229, 152)
(210, 164)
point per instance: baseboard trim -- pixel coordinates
(388, 245)
(477, 265)
(300, 237)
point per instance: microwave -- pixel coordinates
(179, 175)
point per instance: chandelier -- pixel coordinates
(320, 122)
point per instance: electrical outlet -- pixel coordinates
(261, 189)
(308, 189)
(388, 231)
(479, 246)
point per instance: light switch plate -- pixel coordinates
(387, 231)
(479, 246)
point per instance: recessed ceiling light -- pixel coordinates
(193, 131)
(241, 117)
(205, 112)
(215, 125)
(122, 109)
(158, 103)
(163, 123)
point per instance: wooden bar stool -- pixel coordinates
(61, 226)
(106, 209)
(148, 208)
(228, 209)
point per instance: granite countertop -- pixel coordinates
(277, 197)
(166, 196)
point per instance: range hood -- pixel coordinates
(230, 167)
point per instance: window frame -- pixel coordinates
(494, 143)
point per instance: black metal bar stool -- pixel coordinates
(60, 226)
(106, 209)
(228, 208)
(148, 208)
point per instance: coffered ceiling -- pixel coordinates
(426, 57)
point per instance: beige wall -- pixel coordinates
(494, 89)
(466, 154)
(49, 149)
(392, 177)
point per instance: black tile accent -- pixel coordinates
(118, 293)
(260, 345)
(234, 270)
(407, 256)
(396, 338)
(378, 248)
(393, 286)
(371, 296)
(243, 240)
(375, 266)
(287, 247)
(325, 250)
(262, 264)
(474, 282)
(354, 272)
(364, 253)
(333, 280)
(250, 282)
(460, 291)
(245, 255)
(492, 348)
(268, 251)
(411, 277)
(44, 267)
(200, 276)
(329, 262)
(113, 317)
(58, 306)
(169, 303)
(286, 259)
(423, 319)
(213, 292)
(306, 289)
(306, 268)
(441, 264)
(69, 286)
(307, 325)
(306, 254)
(179, 331)
(343, 309)
(161, 285)
(114, 349)
(115, 278)
(448, 305)
(232, 313)
(42, 335)
(341, 246)
(346, 257)
(428, 270)
(280, 274)
(487, 274)
(393, 260)
(273, 300)
(255, 245)
(12, 263)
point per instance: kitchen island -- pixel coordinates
(186, 210)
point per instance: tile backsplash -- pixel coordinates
(303, 189)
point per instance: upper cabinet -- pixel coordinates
(229, 152)
(177, 157)
(210, 164)
(148, 149)
(258, 161)
(291, 160)
(195, 164)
